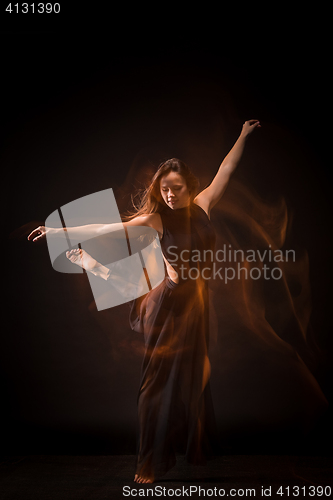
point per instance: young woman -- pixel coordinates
(174, 401)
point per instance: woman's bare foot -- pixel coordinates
(141, 479)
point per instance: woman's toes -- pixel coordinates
(140, 479)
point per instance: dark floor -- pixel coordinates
(62, 477)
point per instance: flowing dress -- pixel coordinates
(175, 407)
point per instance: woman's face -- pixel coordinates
(174, 190)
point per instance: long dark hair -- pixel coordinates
(150, 199)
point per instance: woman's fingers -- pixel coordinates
(74, 251)
(39, 237)
(37, 233)
(255, 125)
(250, 125)
(34, 233)
(251, 122)
(75, 256)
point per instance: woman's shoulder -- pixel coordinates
(149, 220)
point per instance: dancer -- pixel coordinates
(175, 407)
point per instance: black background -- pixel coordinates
(85, 99)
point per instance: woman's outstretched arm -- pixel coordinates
(82, 233)
(211, 195)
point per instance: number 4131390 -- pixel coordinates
(38, 8)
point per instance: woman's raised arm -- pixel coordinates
(211, 195)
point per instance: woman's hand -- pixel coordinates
(39, 233)
(82, 258)
(249, 127)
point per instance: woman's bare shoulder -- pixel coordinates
(152, 220)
